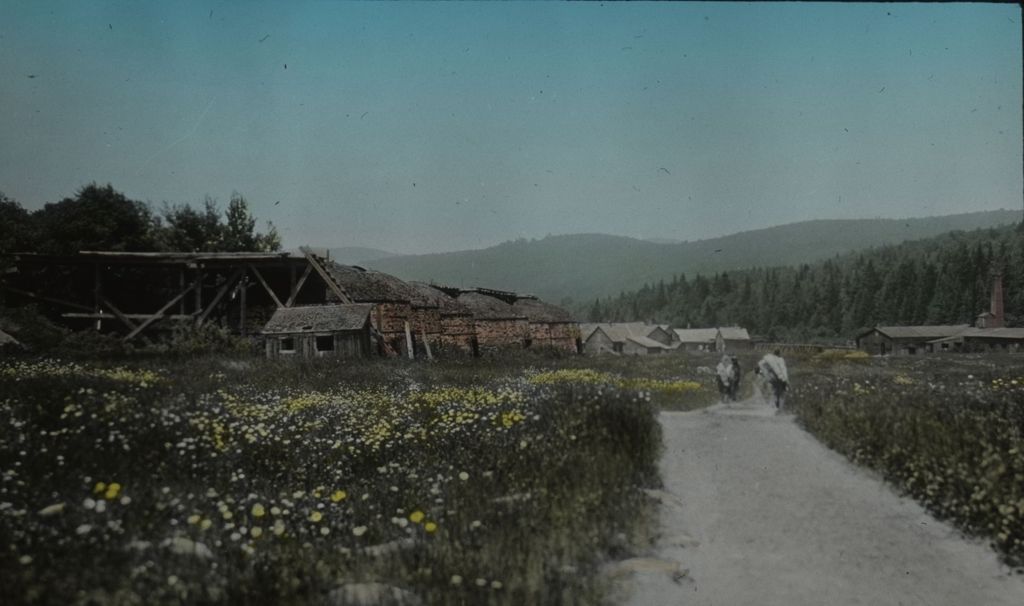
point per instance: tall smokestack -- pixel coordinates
(997, 301)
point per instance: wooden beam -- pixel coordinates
(199, 290)
(326, 277)
(223, 290)
(266, 286)
(117, 312)
(297, 287)
(92, 316)
(159, 313)
(53, 300)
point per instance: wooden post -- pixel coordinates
(199, 290)
(97, 295)
(181, 287)
(297, 287)
(408, 341)
(426, 343)
(241, 299)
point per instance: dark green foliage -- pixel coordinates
(942, 280)
(101, 218)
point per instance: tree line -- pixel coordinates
(941, 280)
(98, 217)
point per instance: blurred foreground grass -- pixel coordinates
(219, 480)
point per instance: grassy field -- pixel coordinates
(947, 430)
(239, 480)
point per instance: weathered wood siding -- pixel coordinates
(347, 344)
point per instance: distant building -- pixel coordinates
(625, 338)
(497, 323)
(319, 330)
(458, 329)
(698, 339)
(904, 340)
(734, 338)
(981, 340)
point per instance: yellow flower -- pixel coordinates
(256, 532)
(430, 527)
(416, 517)
(339, 495)
(316, 516)
(194, 519)
(205, 524)
(112, 491)
(100, 487)
(258, 511)
(279, 528)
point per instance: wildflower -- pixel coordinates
(275, 510)
(430, 527)
(194, 519)
(278, 528)
(258, 511)
(316, 516)
(100, 487)
(456, 579)
(495, 584)
(112, 490)
(481, 582)
(88, 503)
(339, 495)
(83, 529)
(359, 531)
(416, 517)
(256, 532)
(325, 531)
(463, 476)
(475, 524)
(205, 524)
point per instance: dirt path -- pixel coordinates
(758, 512)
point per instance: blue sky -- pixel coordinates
(435, 126)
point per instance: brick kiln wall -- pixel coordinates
(560, 336)
(502, 333)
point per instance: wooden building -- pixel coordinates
(392, 301)
(978, 340)
(319, 330)
(904, 340)
(457, 327)
(550, 325)
(625, 338)
(734, 338)
(497, 324)
(699, 339)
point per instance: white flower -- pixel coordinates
(83, 529)
(359, 531)
(456, 579)
(463, 476)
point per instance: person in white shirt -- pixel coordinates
(772, 370)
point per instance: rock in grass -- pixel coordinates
(389, 548)
(51, 510)
(371, 594)
(646, 566)
(184, 546)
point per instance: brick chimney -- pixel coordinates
(997, 302)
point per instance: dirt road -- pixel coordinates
(758, 512)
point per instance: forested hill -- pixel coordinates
(939, 280)
(584, 266)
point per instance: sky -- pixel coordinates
(429, 127)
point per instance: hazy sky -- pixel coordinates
(429, 127)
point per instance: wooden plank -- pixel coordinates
(426, 343)
(117, 312)
(223, 290)
(266, 286)
(325, 276)
(108, 316)
(53, 300)
(159, 313)
(408, 341)
(297, 287)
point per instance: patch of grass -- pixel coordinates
(948, 430)
(241, 480)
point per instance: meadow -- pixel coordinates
(947, 430)
(163, 480)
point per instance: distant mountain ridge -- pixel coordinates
(581, 267)
(355, 255)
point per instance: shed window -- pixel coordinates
(287, 345)
(325, 343)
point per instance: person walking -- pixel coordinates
(734, 385)
(773, 372)
(724, 378)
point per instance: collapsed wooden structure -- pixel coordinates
(300, 303)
